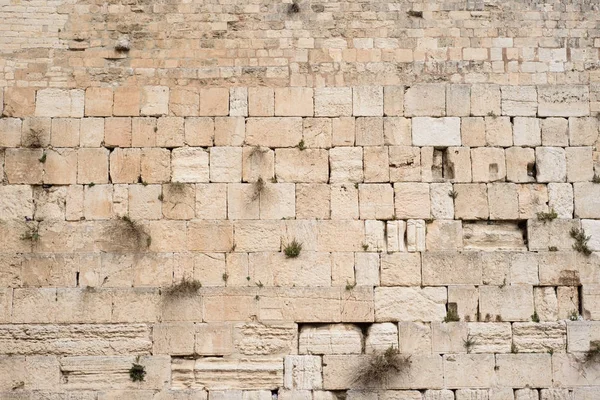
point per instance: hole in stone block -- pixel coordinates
(505, 235)
(437, 166)
(531, 170)
(447, 165)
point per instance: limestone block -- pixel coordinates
(545, 303)
(560, 199)
(229, 131)
(155, 165)
(12, 372)
(277, 201)
(401, 269)
(555, 394)
(238, 101)
(343, 131)
(397, 131)
(294, 102)
(519, 100)
(472, 131)
(98, 102)
(367, 269)
(404, 163)
(480, 367)
(330, 339)
(585, 393)
(376, 162)
(261, 102)
(184, 101)
(127, 101)
(16, 202)
(214, 102)
(154, 101)
(59, 103)
(498, 131)
(442, 205)
(412, 200)
(367, 101)
(303, 372)
(428, 131)
(520, 164)
(425, 100)
(485, 100)
(586, 195)
(444, 235)
(273, 132)
(396, 236)
(457, 164)
(415, 337)
(521, 370)
(592, 229)
(199, 131)
(144, 202)
(581, 334)
(583, 131)
(376, 201)
(339, 373)
(448, 268)
(532, 199)
(374, 236)
(555, 132)
(415, 235)
(458, 100)
(471, 201)
(488, 164)
(501, 394)
(580, 167)
(503, 201)
(265, 339)
(10, 132)
(443, 394)
(125, 165)
(312, 201)
(294, 394)
(568, 370)
(490, 337)
(344, 202)
(65, 132)
(143, 131)
(170, 132)
(34, 305)
(410, 304)
(333, 101)
(527, 132)
(97, 202)
(273, 269)
(117, 132)
(92, 165)
(369, 131)
(255, 236)
(590, 300)
(381, 337)
(206, 235)
(257, 162)
(542, 235)
(511, 303)
(346, 164)
(342, 269)
(74, 203)
(551, 164)
(563, 100)
(23, 166)
(176, 338)
(541, 337)
(448, 337)
(472, 394)
(526, 394)
(393, 100)
(189, 165)
(568, 301)
(214, 339)
(309, 165)
(225, 164)
(18, 101)
(317, 132)
(561, 268)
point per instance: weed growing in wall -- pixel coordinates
(292, 249)
(137, 372)
(126, 231)
(381, 365)
(547, 216)
(185, 288)
(581, 241)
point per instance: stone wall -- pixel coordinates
(437, 161)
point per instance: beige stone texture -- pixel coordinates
(92, 165)
(563, 101)
(519, 100)
(503, 201)
(586, 195)
(511, 303)
(273, 132)
(59, 103)
(532, 199)
(303, 372)
(458, 100)
(412, 200)
(401, 269)
(485, 100)
(481, 367)
(18, 102)
(98, 102)
(583, 131)
(189, 165)
(98, 202)
(184, 101)
(155, 165)
(393, 100)
(127, 101)
(125, 165)
(410, 304)
(488, 164)
(376, 162)
(555, 132)
(527, 132)
(170, 132)
(295, 165)
(404, 164)
(65, 132)
(425, 100)
(344, 202)
(471, 201)
(444, 235)
(261, 102)
(333, 102)
(11, 132)
(330, 339)
(60, 167)
(154, 101)
(238, 102)
(369, 131)
(117, 132)
(381, 337)
(210, 235)
(346, 165)
(343, 131)
(199, 131)
(397, 131)
(294, 102)
(367, 101)
(524, 370)
(490, 337)
(531, 337)
(427, 131)
(579, 164)
(376, 201)
(551, 164)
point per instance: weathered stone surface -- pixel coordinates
(490, 337)
(303, 372)
(220, 373)
(449, 268)
(448, 337)
(563, 100)
(428, 131)
(499, 236)
(586, 195)
(540, 337)
(511, 303)
(273, 132)
(330, 339)
(521, 370)
(333, 102)
(381, 337)
(75, 339)
(569, 370)
(544, 234)
(410, 304)
(339, 373)
(400, 269)
(480, 367)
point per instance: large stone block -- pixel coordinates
(154, 101)
(273, 132)
(524, 370)
(295, 165)
(471, 201)
(59, 103)
(425, 100)
(428, 131)
(530, 337)
(401, 269)
(586, 198)
(189, 165)
(303, 373)
(488, 164)
(563, 100)
(367, 101)
(551, 164)
(490, 337)
(570, 370)
(469, 370)
(510, 303)
(294, 101)
(333, 102)
(381, 337)
(410, 304)
(412, 200)
(330, 339)
(18, 101)
(451, 268)
(519, 100)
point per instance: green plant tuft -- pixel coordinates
(574, 315)
(581, 241)
(292, 249)
(185, 288)
(469, 343)
(452, 313)
(301, 146)
(350, 286)
(137, 372)
(596, 178)
(453, 193)
(547, 216)
(535, 317)
(380, 365)
(32, 233)
(42, 159)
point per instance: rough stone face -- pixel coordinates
(303, 372)
(585, 194)
(481, 367)
(448, 268)
(410, 304)
(531, 337)
(563, 101)
(511, 303)
(428, 131)
(332, 339)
